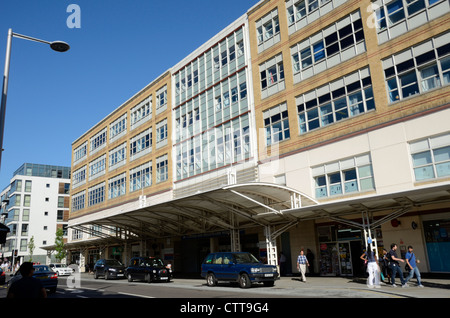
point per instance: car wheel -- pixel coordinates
(95, 275)
(244, 281)
(130, 279)
(106, 275)
(211, 280)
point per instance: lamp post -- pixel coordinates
(57, 46)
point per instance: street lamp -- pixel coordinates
(57, 46)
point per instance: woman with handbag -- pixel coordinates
(372, 268)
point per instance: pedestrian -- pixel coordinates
(394, 266)
(27, 286)
(411, 263)
(384, 268)
(310, 258)
(372, 268)
(302, 261)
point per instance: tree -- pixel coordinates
(31, 248)
(59, 245)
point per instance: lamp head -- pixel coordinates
(59, 46)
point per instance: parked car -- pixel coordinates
(48, 277)
(149, 269)
(241, 267)
(2, 277)
(109, 268)
(61, 269)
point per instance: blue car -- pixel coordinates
(241, 267)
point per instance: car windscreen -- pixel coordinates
(113, 262)
(41, 268)
(244, 258)
(155, 262)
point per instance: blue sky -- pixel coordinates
(121, 46)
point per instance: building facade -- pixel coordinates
(34, 205)
(302, 125)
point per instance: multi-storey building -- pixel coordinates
(304, 124)
(35, 204)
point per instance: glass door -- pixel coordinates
(345, 259)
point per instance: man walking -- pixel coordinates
(395, 267)
(302, 261)
(412, 264)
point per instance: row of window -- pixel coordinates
(13, 215)
(139, 178)
(430, 159)
(139, 114)
(214, 148)
(140, 145)
(217, 63)
(218, 104)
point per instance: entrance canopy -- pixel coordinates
(392, 205)
(228, 208)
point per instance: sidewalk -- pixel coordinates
(324, 287)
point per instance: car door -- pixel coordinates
(100, 267)
(228, 267)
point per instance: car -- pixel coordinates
(109, 268)
(240, 267)
(149, 269)
(2, 277)
(48, 277)
(61, 269)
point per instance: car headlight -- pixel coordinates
(112, 269)
(154, 271)
(255, 270)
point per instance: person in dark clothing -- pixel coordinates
(27, 286)
(310, 258)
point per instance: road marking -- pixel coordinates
(136, 295)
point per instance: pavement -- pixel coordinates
(326, 287)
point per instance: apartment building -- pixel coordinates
(302, 125)
(34, 205)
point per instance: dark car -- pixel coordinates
(48, 278)
(149, 269)
(241, 267)
(109, 268)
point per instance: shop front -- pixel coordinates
(340, 249)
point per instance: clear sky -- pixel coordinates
(120, 47)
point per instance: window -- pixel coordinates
(80, 153)
(141, 113)
(346, 97)
(338, 42)
(161, 133)
(300, 13)
(162, 169)
(268, 30)
(25, 215)
(97, 167)
(272, 76)
(118, 128)
(397, 17)
(60, 216)
(431, 157)
(161, 99)
(141, 144)
(419, 69)
(96, 194)
(116, 186)
(79, 177)
(98, 141)
(27, 200)
(118, 156)
(141, 177)
(276, 124)
(28, 185)
(344, 176)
